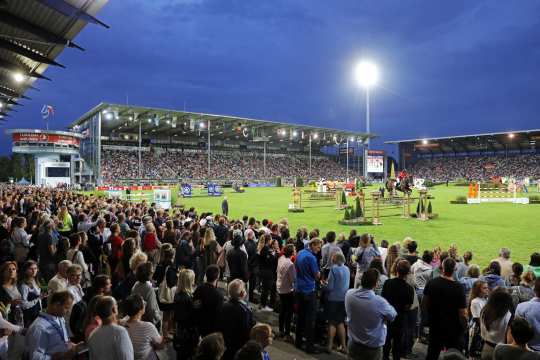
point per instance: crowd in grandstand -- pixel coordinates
(481, 168)
(107, 279)
(230, 165)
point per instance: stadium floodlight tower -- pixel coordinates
(367, 76)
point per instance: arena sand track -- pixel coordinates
(483, 229)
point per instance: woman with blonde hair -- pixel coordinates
(210, 250)
(187, 336)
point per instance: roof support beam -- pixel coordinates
(11, 93)
(69, 10)
(21, 68)
(27, 53)
(22, 24)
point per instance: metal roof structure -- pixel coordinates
(497, 141)
(118, 120)
(32, 35)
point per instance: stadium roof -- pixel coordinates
(32, 35)
(496, 141)
(155, 122)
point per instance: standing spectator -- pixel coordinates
(504, 262)
(515, 278)
(286, 276)
(124, 226)
(116, 241)
(59, 282)
(185, 252)
(237, 260)
(478, 300)
(445, 304)
(521, 332)
(207, 302)
(307, 274)
(20, 239)
(235, 319)
(530, 311)
(366, 251)
(166, 277)
(534, 264)
(210, 250)
(253, 262)
(339, 279)
(110, 341)
(267, 258)
(150, 243)
(221, 231)
(377, 264)
(411, 255)
(494, 321)
(525, 290)
(493, 276)
(46, 249)
(77, 258)
(187, 334)
(468, 281)
(144, 336)
(65, 224)
(225, 206)
(143, 287)
(367, 314)
(47, 337)
(30, 292)
(328, 250)
(400, 295)
(10, 297)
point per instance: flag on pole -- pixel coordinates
(392, 171)
(46, 111)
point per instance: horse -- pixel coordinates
(404, 186)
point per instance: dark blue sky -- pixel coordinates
(447, 67)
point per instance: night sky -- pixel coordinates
(447, 67)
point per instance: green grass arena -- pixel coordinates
(483, 228)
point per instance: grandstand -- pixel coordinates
(134, 144)
(478, 157)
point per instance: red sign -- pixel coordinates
(375, 152)
(132, 188)
(46, 138)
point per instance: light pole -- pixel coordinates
(367, 76)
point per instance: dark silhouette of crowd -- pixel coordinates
(88, 277)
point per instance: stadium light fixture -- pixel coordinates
(18, 77)
(108, 116)
(424, 142)
(315, 136)
(511, 135)
(367, 74)
(351, 139)
(1, 105)
(149, 120)
(295, 133)
(201, 125)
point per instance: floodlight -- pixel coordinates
(424, 142)
(295, 133)
(201, 125)
(351, 139)
(511, 135)
(367, 74)
(149, 120)
(18, 77)
(108, 116)
(315, 135)
(1, 105)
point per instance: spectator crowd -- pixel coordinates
(231, 165)
(86, 277)
(478, 168)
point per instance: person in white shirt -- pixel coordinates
(76, 256)
(144, 335)
(109, 341)
(505, 262)
(494, 320)
(59, 282)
